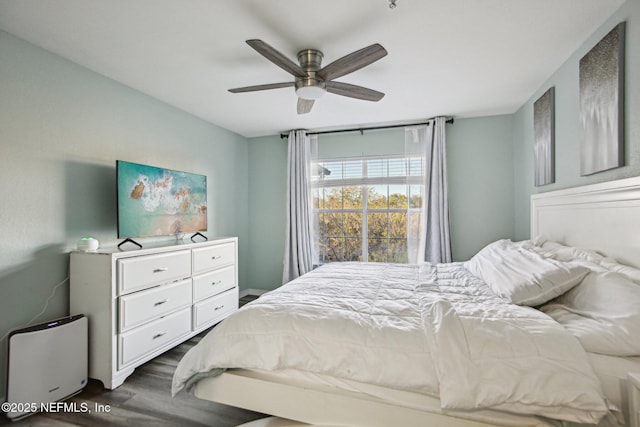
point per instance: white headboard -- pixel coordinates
(604, 217)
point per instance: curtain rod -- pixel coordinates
(361, 130)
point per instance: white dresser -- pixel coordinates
(142, 302)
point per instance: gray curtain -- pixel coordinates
(428, 235)
(298, 252)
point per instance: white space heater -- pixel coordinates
(47, 363)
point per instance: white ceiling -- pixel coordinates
(446, 57)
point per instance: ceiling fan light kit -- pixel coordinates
(310, 88)
(312, 80)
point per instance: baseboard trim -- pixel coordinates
(258, 292)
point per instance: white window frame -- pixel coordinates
(365, 182)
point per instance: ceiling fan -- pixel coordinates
(312, 80)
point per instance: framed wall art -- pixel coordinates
(544, 138)
(602, 104)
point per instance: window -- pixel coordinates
(365, 207)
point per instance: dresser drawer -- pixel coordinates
(147, 338)
(212, 257)
(214, 309)
(213, 283)
(145, 271)
(143, 306)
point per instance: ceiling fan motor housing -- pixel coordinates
(310, 87)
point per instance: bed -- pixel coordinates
(448, 344)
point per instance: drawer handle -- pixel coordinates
(216, 257)
(159, 334)
(218, 307)
(160, 270)
(161, 302)
(216, 283)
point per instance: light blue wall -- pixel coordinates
(567, 117)
(62, 127)
(479, 159)
(354, 144)
(267, 200)
(480, 187)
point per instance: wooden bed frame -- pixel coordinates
(604, 217)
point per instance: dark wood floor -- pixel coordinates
(145, 400)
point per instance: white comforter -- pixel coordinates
(433, 329)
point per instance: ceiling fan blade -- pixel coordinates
(277, 58)
(261, 87)
(304, 105)
(352, 62)
(353, 91)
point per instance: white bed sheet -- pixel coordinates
(612, 372)
(420, 305)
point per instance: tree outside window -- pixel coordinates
(363, 207)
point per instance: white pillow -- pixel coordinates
(603, 312)
(561, 252)
(566, 253)
(630, 273)
(521, 275)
